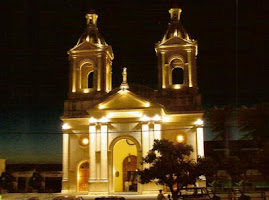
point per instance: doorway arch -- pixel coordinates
(125, 150)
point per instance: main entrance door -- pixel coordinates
(129, 167)
(125, 165)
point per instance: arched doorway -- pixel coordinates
(83, 176)
(124, 166)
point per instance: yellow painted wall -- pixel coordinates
(120, 151)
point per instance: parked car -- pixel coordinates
(195, 193)
(67, 197)
(110, 198)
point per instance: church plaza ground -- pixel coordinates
(49, 196)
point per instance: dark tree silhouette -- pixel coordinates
(209, 168)
(7, 182)
(36, 181)
(169, 164)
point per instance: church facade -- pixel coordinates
(107, 131)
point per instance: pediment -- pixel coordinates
(175, 40)
(124, 100)
(85, 46)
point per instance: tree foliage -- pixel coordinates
(169, 164)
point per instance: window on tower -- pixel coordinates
(177, 75)
(90, 80)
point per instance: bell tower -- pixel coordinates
(176, 54)
(90, 61)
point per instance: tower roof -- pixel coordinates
(175, 29)
(91, 33)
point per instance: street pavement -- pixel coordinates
(49, 196)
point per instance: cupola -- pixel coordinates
(175, 29)
(91, 33)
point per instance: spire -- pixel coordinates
(124, 85)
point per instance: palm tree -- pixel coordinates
(255, 121)
(219, 120)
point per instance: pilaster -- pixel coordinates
(92, 153)
(65, 180)
(163, 70)
(190, 67)
(99, 71)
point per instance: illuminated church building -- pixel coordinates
(106, 131)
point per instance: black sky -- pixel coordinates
(35, 35)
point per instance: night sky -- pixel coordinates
(232, 61)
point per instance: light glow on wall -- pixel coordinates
(92, 120)
(101, 106)
(156, 118)
(144, 118)
(180, 138)
(85, 141)
(166, 119)
(66, 126)
(177, 86)
(104, 120)
(110, 115)
(199, 122)
(147, 104)
(86, 90)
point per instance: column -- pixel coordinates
(157, 131)
(190, 67)
(145, 140)
(99, 71)
(200, 141)
(104, 152)
(92, 153)
(163, 70)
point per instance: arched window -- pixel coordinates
(90, 80)
(177, 75)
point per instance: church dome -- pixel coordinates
(175, 28)
(91, 33)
